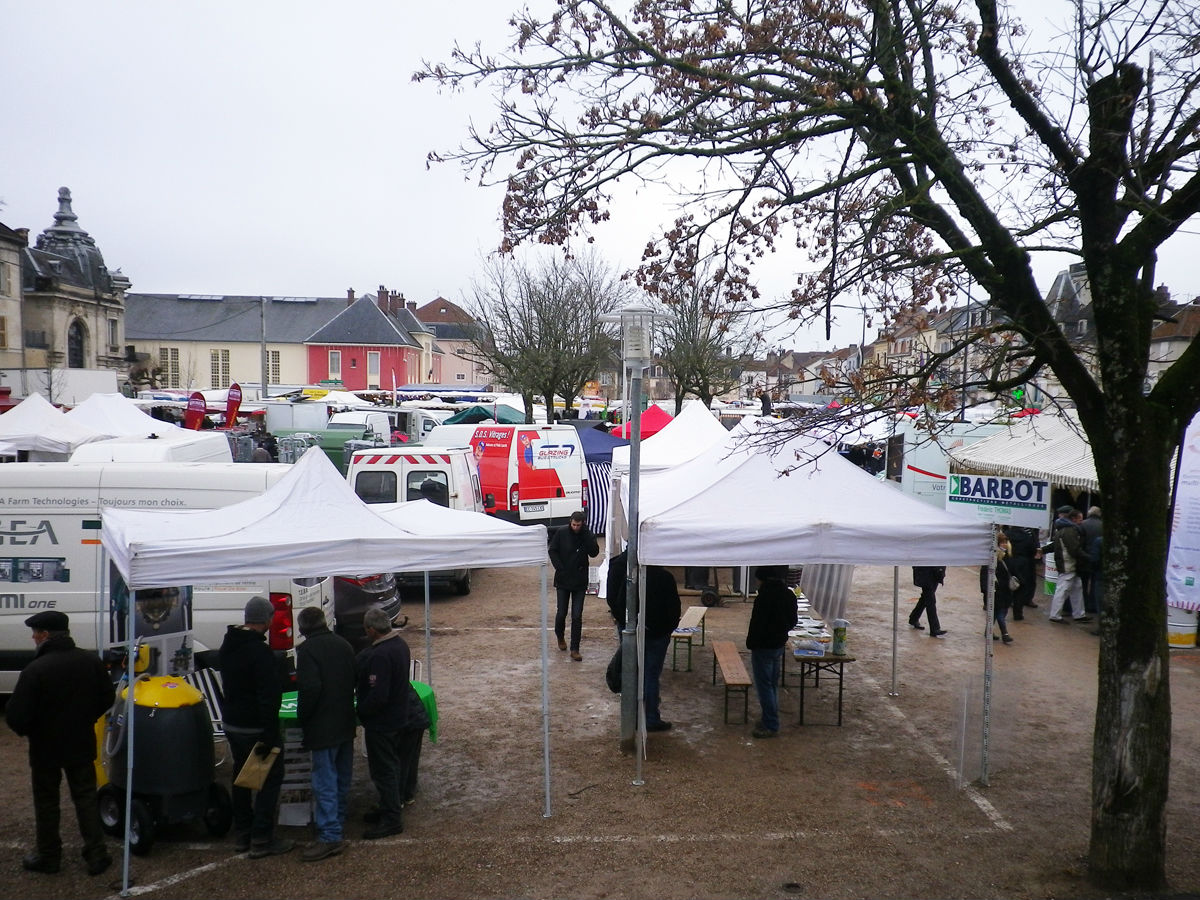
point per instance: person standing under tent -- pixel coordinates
(252, 695)
(1069, 560)
(927, 578)
(325, 681)
(571, 550)
(1026, 550)
(392, 717)
(663, 610)
(1092, 528)
(773, 616)
(56, 702)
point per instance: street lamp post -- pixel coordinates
(636, 321)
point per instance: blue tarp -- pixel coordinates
(598, 445)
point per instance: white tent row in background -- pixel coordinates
(37, 426)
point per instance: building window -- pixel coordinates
(219, 366)
(1081, 327)
(273, 366)
(335, 365)
(3, 332)
(114, 336)
(459, 376)
(76, 345)
(168, 362)
(3, 280)
(373, 369)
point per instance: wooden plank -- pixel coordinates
(733, 670)
(693, 617)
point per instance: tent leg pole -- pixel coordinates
(428, 636)
(895, 625)
(545, 694)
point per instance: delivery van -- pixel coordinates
(534, 473)
(176, 445)
(51, 556)
(446, 476)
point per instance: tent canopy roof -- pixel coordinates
(770, 496)
(1050, 448)
(654, 419)
(36, 425)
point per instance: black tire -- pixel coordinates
(111, 803)
(218, 817)
(710, 597)
(462, 587)
(142, 828)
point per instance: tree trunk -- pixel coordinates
(1131, 744)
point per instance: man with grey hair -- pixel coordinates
(392, 717)
(325, 677)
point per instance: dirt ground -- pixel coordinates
(870, 809)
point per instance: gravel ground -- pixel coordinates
(871, 809)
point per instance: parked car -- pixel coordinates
(354, 595)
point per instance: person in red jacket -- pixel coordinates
(56, 703)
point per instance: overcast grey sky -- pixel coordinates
(274, 148)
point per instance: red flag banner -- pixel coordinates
(195, 411)
(232, 402)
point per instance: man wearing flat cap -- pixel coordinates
(253, 692)
(1070, 561)
(56, 703)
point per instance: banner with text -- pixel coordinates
(1183, 553)
(1000, 500)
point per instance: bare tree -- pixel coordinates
(907, 149)
(704, 339)
(540, 327)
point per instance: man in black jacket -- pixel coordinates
(662, 617)
(253, 691)
(571, 549)
(325, 678)
(773, 616)
(57, 700)
(927, 578)
(392, 716)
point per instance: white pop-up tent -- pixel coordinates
(760, 497)
(115, 415)
(309, 524)
(39, 427)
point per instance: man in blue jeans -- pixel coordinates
(325, 680)
(773, 616)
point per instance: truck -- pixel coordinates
(367, 428)
(446, 476)
(50, 557)
(923, 464)
(532, 473)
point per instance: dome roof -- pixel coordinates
(67, 253)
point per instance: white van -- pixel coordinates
(443, 475)
(51, 556)
(534, 473)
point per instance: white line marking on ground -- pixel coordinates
(944, 764)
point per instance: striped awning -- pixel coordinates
(1051, 448)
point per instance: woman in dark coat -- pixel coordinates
(1004, 593)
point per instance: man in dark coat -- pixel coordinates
(56, 702)
(393, 719)
(571, 549)
(773, 616)
(662, 617)
(253, 691)
(1026, 550)
(927, 578)
(325, 681)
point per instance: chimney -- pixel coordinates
(412, 305)
(349, 296)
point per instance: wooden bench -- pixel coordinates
(733, 673)
(685, 632)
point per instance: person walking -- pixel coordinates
(1002, 600)
(1068, 556)
(663, 610)
(571, 549)
(56, 702)
(325, 683)
(393, 719)
(927, 578)
(252, 693)
(772, 617)
(1022, 562)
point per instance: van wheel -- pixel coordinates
(462, 587)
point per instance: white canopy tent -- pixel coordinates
(1051, 448)
(39, 427)
(115, 415)
(310, 524)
